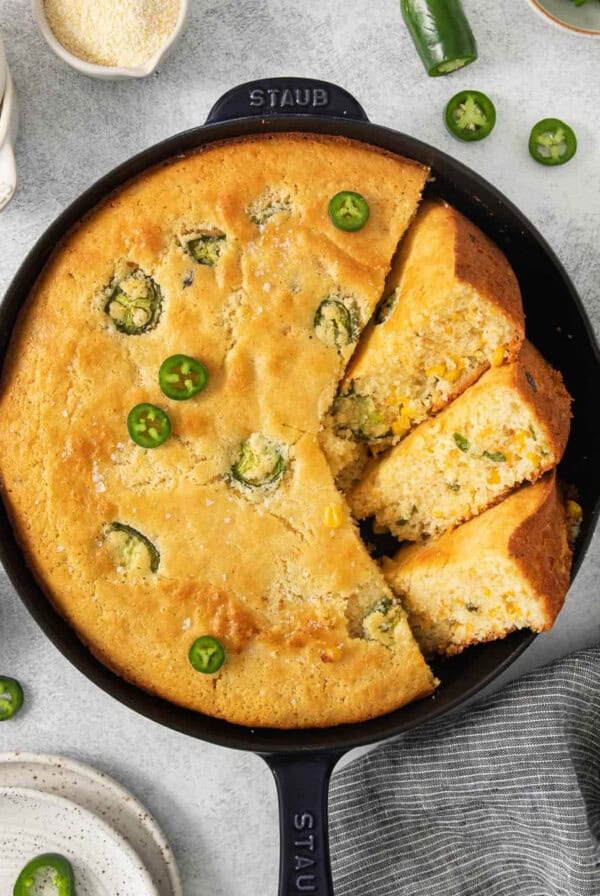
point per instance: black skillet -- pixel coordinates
(302, 761)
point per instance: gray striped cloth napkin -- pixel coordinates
(503, 800)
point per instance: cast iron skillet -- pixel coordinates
(302, 761)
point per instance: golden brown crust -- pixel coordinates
(544, 389)
(539, 545)
(480, 264)
(261, 571)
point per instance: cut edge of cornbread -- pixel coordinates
(509, 427)
(347, 458)
(451, 308)
(503, 571)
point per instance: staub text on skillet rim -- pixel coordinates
(302, 760)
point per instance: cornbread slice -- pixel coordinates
(508, 428)
(451, 309)
(505, 570)
(233, 527)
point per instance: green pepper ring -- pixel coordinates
(181, 377)
(484, 110)
(542, 134)
(63, 878)
(152, 435)
(9, 706)
(132, 533)
(206, 655)
(348, 211)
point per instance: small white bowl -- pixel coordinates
(108, 72)
(581, 20)
(3, 69)
(9, 121)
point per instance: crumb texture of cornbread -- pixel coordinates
(509, 427)
(451, 308)
(233, 527)
(505, 570)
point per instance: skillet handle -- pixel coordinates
(303, 790)
(270, 97)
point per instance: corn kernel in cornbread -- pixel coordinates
(508, 428)
(505, 570)
(451, 309)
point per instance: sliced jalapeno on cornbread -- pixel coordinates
(381, 620)
(260, 463)
(11, 697)
(148, 425)
(181, 377)
(386, 307)
(207, 655)
(131, 550)
(358, 415)
(335, 324)
(206, 248)
(47, 868)
(134, 305)
(348, 211)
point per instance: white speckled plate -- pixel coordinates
(99, 794)
(32, 823)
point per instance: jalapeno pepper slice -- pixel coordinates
(335, 323)
(260, 463)
(441, 34)
(148, 425)
(11, 698)
(181, 377)
(207, 655)
(206, 248)
(134, 304)
(358, 415)
(132, 550)
(348, 211)
(470, 115)
(60, 872)
(552, 142)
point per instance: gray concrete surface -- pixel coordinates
(217, 806)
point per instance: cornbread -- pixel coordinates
(112, 32)
(509, 427)
(505, 570)
(233, 527)
(451, 308)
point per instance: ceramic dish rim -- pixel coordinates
(108, 72)
(560, 23)
(54, 760)
(117, 839)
